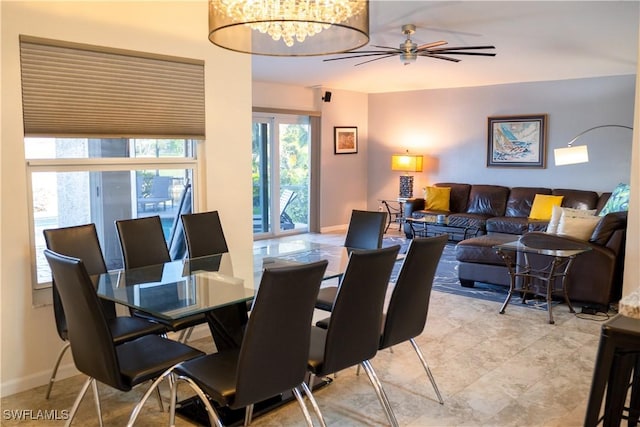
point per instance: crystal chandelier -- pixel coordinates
(289, 27)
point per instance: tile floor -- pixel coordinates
(492, 370)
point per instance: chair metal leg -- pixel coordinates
(303, 407)
(314, 404)
(188, 335)
(426, 368)
(76, 404)
(214, 420)
(96, 399)
(63, 350)
(159, 398)
(248, 415)
(154, 386)
(382, 396)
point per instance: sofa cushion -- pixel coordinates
(466, 220)
(577, 199)
(521, 198)
(459, 195)
(602, 200)
(489, 200)
(480, 249)
(437, 198)
(543, 206)
(507, 224)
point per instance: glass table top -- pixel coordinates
(176, 289)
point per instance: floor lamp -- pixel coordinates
(578, 154)
(406, 163)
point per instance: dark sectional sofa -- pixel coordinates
(501, 214)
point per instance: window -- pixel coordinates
(78, 181)
(109, 134)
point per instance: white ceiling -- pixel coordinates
(534, 40)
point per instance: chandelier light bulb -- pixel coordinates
(289, 20)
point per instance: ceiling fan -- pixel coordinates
(409, 50)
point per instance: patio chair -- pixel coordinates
(287, 196)
(158, 194)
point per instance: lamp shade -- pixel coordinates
(571, 155)
(289, 27)
(406, 162)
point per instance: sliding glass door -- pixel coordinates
(281, 174)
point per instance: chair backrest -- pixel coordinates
(82, 242)
(142, 242)
(366, 229)
(407, 311)
(204, 234)
(160, 186)
(91, 340)
(354, 326)
(275, 348)
(286, 198)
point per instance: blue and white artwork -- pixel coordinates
(517, 141)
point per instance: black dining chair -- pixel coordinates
(95, 354)
(365, 231)
(273, 355)
(82, 242)
(408, 307)
(204, 234)
(353, 333)
(143, 244)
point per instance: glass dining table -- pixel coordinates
(205, 285)
(183, 288)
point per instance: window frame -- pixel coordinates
(41, 294)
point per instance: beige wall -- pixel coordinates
(632, 258)
(29, 343)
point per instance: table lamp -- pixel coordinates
(406, 163)
(577, 154)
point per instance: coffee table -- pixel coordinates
(541, 279)
(428, 226)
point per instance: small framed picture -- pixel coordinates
(345, 140)
(517, 141)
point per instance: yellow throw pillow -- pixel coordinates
(437, 198)
(543, 205)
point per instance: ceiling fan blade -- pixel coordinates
(432, 44)
(464, 53)
(384, 54)
(442, 49)
(375, 59)
(430, 55)
(387, 47)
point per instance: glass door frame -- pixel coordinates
(271, 121)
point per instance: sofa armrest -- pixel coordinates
(413, 205)
(607, 226)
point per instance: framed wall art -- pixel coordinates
(517, 141)
(345, 140)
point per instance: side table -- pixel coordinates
(395, 211)
(547, 280)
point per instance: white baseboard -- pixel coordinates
(67, 368)
(334, 228)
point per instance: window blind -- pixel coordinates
(77, 90)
